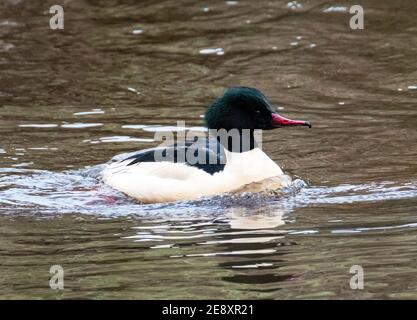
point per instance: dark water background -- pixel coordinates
(69, 98)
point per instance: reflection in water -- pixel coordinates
(121, 71)
(254, 220)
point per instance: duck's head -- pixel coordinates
(246, 108)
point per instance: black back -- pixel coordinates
(211, 149)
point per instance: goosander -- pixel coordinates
(161, 175)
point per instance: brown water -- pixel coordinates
(355, 202)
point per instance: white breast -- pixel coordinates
(152, 182)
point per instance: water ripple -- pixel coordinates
(81, 191)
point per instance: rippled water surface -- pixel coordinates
(122, 70)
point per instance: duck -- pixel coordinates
(229, 158)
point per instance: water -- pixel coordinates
(120, 71)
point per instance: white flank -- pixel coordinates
(152, 182)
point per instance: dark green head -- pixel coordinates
(245, 108)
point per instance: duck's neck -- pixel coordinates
(236, 140)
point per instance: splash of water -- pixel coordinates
(24, 191)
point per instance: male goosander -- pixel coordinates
(162, 175)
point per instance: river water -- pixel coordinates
(120, 71)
